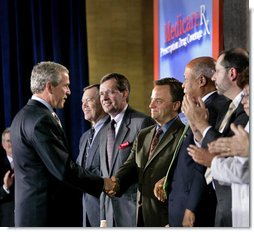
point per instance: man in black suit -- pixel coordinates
(6, 182)
(191, 202)
(45, 174)
(89, 155)
(229, 65)
(114, 96)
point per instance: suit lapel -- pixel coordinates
(93, 149)
(147, 144)
(165, 140)
(121, 135)
(82, 149)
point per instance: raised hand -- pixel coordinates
(196, 112)
(8, 179)
(231, 146)
(201, 155)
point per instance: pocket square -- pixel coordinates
(123, 145)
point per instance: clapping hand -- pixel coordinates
(201, 155)
(230, 146)
(8, 179)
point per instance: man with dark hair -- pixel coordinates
(115, 146)
(153, 151)
(229, 65)
(191, 202)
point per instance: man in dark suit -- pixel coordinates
(6, 182)
(89, 155)
(45, 174)
(191, 202)
(145, 166)
(229, 65)
(114, 150)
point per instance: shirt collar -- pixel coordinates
(43, 102)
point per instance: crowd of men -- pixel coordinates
(133, 170)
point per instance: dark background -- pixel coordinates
(43, 30)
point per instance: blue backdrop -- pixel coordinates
(35, 30)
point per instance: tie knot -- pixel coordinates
(113, 123)
(158, 131)
(231, 106)
(57, 119)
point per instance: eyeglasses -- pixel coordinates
(245, 95)
(110, 93)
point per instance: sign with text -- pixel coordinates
(184, 30)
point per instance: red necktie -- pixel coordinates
(154, 142)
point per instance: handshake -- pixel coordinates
(111, 186)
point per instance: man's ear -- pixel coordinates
(126, 93)
(49, 87)
(202, 80)
(233, 73)
(177, 105)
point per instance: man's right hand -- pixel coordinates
(111, 186)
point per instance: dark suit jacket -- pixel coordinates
(123, 209)
(223, 192)
(45, 174)
(91, 204)
(6, 200)
(147, 173)
(188, 186)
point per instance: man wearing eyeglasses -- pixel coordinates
(115, 146)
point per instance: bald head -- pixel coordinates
(202, 66)
(198, 76)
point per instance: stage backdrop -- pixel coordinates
(183, 30)
(36, 30)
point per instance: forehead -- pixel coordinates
(109, 84)
(219, 60)
(161, 91)
(187, 72)
(65, 78)
(91, 91)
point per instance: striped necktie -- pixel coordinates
(231, 108)
(155, 141)
(111, 142)
(57, 119)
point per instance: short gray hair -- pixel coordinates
(46, 71)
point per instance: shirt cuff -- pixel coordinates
(6, 190)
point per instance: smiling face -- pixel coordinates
(112, 100)
(163, 109)
(60, 92)
(91, 105)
